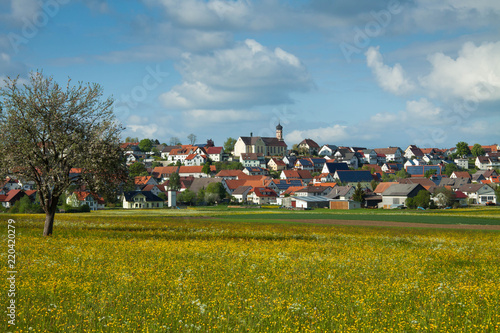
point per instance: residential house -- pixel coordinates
(454, 183)
(290, 161)
(276, 164)
(479, 193)
(310, 146)
(81, 198)
(253, 160)
(140, 200)
(180, 154)
(304, 164)
(327, 150)
(195, 160)
(462, 163)
(345, 155)
(331, 167)
(413, 152)
(255, 171)
(165, 152)
(240, 194)
(342, 192)
(284, 184)
(397, 194)
(163, 173)
(460, 174)
(311, 191)
(262, 196)
(368, 156)
(194, 171)
(229, 174)
(353, 177)
(392, 167)
(391, 154)
(9, 199)
(216, 154)
(145, 180)
(323, 178)
(304, 175)
(487, 162)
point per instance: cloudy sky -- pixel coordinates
(365, 73)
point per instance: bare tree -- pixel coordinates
(192, 138)
(46, 130)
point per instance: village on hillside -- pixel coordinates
(253, 170)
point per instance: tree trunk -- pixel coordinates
(49, 223)
(49, 217)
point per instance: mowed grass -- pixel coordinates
(193, 271)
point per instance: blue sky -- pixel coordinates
(360, 73)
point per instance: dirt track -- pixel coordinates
(400, 224)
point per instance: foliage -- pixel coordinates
(187, 197)
(446, 197)
(229, 145)
(422, 199)
(192, 138)
(450, 168)
(402, 174)
(145, 145)
(131, 139)
(80, 209)
(477, 150)
(463, 149)
(46, 130)
(25, 206)
(359, 194)
(174, 182)
(215, 192)
(374, 184)
(429, 173)
(137, 169)
(163, 196)
(206, 168)
(234, 165)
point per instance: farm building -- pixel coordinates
(310, 202)
(345, 204)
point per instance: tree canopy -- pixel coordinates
(57, 136)
(145, 145)
(477, 150)
(463, 149)
(229, 145)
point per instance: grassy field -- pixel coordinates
(218, 270)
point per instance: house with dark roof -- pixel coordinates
(328, 150)
(241, 192)
(310, 146)
(391, 154)
(341, 192)
(276, 164)
(413, 152)
(331, 167)
(397, 194)
(141, 200)
(479, 193)
(420, 170)
(353, 177)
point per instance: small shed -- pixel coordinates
(344, 204)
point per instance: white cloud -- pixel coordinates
(203, 117)
(390, 79)
(332, 134)
(474, 75)
(246, 75)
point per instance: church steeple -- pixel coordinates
(279, 131)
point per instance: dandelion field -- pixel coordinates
(133, 272)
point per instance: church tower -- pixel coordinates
(279, 132)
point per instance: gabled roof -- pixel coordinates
(214, 150)
(273, 142)
(387, 151)
(310, 143)
(264, 192)
(194, 169)
(339, 191)
(129, 196)
(278, 162)
(142, 180)
(11, 195)
(402, 189)
(417, 180)
(472, 188)
(354, 176)
(199, 183)
(229, 173)
(159, 172)
(462, 174)
(334, 166)
(241, 190)
(383, 186)
(82, 195)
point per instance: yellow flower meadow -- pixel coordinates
(127, 273)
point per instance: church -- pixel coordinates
(268, 146)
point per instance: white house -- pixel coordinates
(80, 198)
(479, 193)
(328, 150)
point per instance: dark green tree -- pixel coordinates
(174, 182)
(47, 129)
(422, 199)
(477, 150)
(402, 174)
(359, 194)
(463, 149)
(446, 197)
(137, 169)
(429, 173)
(215, 192)
(145, 145)
(450, 168)
(229, 145)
